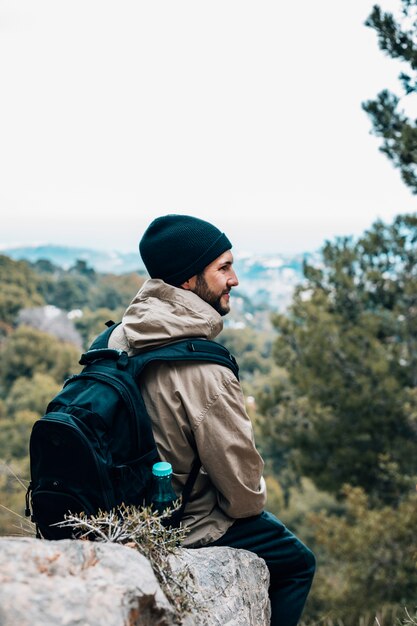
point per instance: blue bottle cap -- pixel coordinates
(162, 469)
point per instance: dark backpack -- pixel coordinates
(94, 448)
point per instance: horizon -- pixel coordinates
(243, 244)
(239, 252)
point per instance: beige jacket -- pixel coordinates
(195, 409)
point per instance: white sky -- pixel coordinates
(244, 113)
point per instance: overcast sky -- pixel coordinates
(244, 113)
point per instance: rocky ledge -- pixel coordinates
(80, 583)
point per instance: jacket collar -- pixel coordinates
(161, 313)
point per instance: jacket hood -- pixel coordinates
(161, 313)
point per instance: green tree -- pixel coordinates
(44, 266)
(18, 288)
(71, 292)
(115, 292)
(28, 351)
(251, 348)
(397, 37)
(347, 414)
(31, 394)
(66, 289)
(82, 268)
(14, 435)
(368, 561)
(81, 287)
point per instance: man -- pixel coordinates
(198, 408)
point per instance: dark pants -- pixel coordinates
(291, 564)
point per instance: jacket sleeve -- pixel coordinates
(225, 442)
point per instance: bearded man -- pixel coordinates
(198, 409)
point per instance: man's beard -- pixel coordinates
(204, 292)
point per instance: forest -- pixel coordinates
(331, 390)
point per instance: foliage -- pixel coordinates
(251, 348)
(18, 288)
(397, 37)
(81, 287)
(349, 344)
(66, 289)
(115, 292)
(280, 415)
(28, 351)
(14, 435)
(369, 560)
(71, 292)
(31, 394)
(144, 530)
(304, 499)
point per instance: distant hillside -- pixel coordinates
(101, 260)
(266, 280)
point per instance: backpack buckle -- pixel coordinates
(123, 360)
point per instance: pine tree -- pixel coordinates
(397, 37)
(349, 344)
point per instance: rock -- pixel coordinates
(57, 583)
(232, 587)
(80, 583)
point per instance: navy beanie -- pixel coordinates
(176, 247)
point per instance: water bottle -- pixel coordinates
(163, 495)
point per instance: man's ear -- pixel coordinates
(189, 284)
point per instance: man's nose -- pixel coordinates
(233, 280)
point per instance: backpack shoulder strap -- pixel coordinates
(184, 350)
(202, 350)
